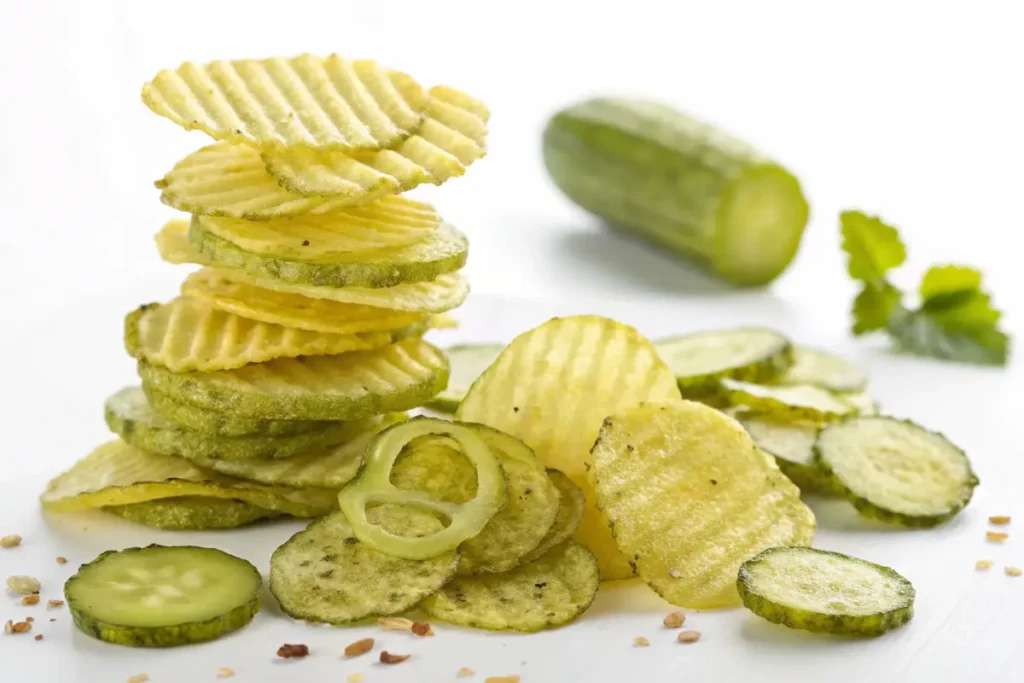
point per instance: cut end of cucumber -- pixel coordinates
(761, 218)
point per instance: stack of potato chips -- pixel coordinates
(301, 336)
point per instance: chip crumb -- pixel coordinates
(1013, 571)
(62, 560)
(30, 599)
(983, 564)
(11, 541)
(422, 628)
(225, 672)
(466, 671)
(688, 636)
(23, 585)
(39, 636)
(287, 651)
(674, 619)
(54, 603)
(675, 573)
(360, 647)
(999, 520)
(138, 678)
(388, 658)
(395, 623)
(356, 678)
(514, 678)
(996, 536)
(640, 641)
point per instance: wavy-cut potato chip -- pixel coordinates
(327, 467)
(294, 310)
(554, 385)
(191, 513)
(548, 592)
(384, 224)
(452, 136)
(441, 294)
(325, 574)
(690, 497)
(117, 474)
(348, 386)
(571, 504)
(443, 251)
(189, 334)
(304, 101)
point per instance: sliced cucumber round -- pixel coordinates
(161, 596)
(798, 402)
(792, 446)
(752, 354)
(825, 592)
(823, 369)
(896, 471)
(444, 251)
(128, 415)
(192, 513)
(467, 362)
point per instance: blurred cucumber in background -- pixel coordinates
(657, 173)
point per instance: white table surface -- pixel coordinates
(888, 107)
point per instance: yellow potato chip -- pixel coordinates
(189, 334)
(453, 136)
(303, 101)
(690, 497)
(384, 224)
(117, 474)
(294, 310)
(553, 386)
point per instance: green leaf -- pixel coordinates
(873, 308)
(874, 248)
(941, 280)
(921, 334)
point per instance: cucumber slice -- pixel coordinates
(862, 402)
(161, 596)
(792, 446)
(325, 574)
(128, 415)
(793, 403)
(444, 251)
(199, 419)
(349, 386)
(467, 362)
(752, 354)
(825, 592)
(193, 513)
(896, 471)
(823, 369)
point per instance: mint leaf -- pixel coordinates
(874, 248)
(873, 307)
(941, 280)
(921, 334)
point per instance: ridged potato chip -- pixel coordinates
(117, 474)
(324, 574)
(438, 468)
(444, 250)
(571, 504)
(294, 310)
(331, 467)
(384, 224)
(191, 513)
(453, 136)
(690, 497)
(189, 334)
(550, 591)
(129, 415)
(348, 386)
(303, 101)
(553, 386)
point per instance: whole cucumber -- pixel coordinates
(656, 172)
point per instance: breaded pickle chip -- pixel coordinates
(551, 591)
(189, 334)
(192, 513)
(325, 574)
(554, 385)
(305, 101)
(443, 251)
(129, 415)
(752, 354)
(117, 474)
(690, 497)
(386, 223)
(571, 504)
(344, 387)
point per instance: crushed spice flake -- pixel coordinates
(640, 641)
(54, 603)
(514, 678)
(30, 599)
(675, 573)
(466, 671)
(688, 636)
(1013, 571)
(674, 619)
(395, 623)
(29, 619)
(138, 678)
(983, 564)
(388, 658)
(997, 536)
(360, 647)
(999, 520)
(39, 636)
(62, 560)
(356, 678)
(422, 628)
(10, 541)
(225, 672)
(23, 585)
(288, 651)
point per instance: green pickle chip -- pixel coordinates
(571, 504)
(191, 513)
